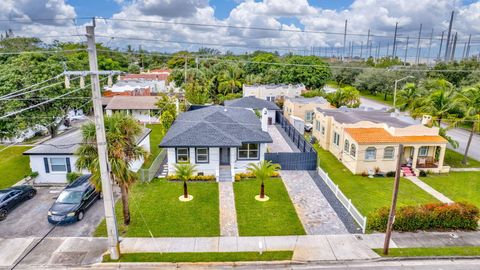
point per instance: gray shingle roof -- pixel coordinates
(67, 144)
(133, 103)
(303, 100)
(350, 116)
(215, 126)
(251, 103)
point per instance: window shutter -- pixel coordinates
(45, 162)
(69, 168)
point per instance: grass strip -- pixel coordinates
(203, 257)
(430, 251)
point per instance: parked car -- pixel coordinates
(73, 201)
(308, 127)
(14, 196)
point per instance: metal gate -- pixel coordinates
(296, 161)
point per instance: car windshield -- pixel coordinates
(70, 197)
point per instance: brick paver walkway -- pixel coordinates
(313, 209)
(228, 213)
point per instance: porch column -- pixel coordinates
(441, 156)
(415, 157)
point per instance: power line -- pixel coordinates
(31, 86)
(42, 51)
(34, 90)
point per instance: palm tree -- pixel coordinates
(122, 132)
(438, 103)
(184, 172)
(408, 96)
(230, 80)
(263, 171)
(469, 100)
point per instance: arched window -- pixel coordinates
(346, 146)
(353, 150)
(371, 153)
(389, 152)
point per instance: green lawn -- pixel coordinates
(13, 165)
(274, 217)
(458, 186)
(368, 194)
(379, 98)
(203, 257)
(155, 207)
(430, 251)
(454, 160)
(156, 137)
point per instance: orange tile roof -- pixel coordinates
(380, 135)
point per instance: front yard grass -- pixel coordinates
(369, 194)
(156, 137)
(458, 186)
(379, 98)
(454, 160)
(276, 216)
(203, 257)
(430, 251)
(155, 208)
(13, 165)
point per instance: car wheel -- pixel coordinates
(3, 214)
(80, 215)
(31, 194)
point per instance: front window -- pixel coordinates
(346, 146)
(336, 138)
(70, 197)
(423, 151)
(371, 153)
(182, 155)
(248, 151)
(58, 164)
(389, 152)
(317, 125)
(353, 150)
(308, 116)
(201, 155)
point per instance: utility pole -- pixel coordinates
(108, 201)
(406, 52)
(417, 55)
(430, 47)
(395, 41)
(391, 217)
(468, 46)
(368, 42)
(447, 48)
(440, 48)
(344, 38)
(454, 48)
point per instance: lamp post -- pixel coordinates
(395, 90)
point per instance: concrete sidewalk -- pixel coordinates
(439, 196)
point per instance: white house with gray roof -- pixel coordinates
(220, 141)
(256, 104)
(54, 158)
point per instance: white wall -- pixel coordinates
(264, 91)
(210, 168)
(272, 114)
(37, 165)
(240, 166)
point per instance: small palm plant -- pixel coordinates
(263, 171)
(185, 172)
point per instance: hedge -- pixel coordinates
(173, 177)
(246, 175)
(438, 216)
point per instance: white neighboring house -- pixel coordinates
(54, 158)
(142, 108)
(220, 141)
(271, 92)
(136, 86)
(257, 104)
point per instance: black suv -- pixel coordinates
(12, 197)
(73, 201)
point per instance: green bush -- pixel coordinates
(246, 175)
(438, 216)
(72, 176)
(173, 177)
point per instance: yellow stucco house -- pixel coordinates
(304, 108)
(368, 140)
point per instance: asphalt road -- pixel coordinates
(457, 134)
(30, 218)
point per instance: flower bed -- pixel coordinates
(200, 178)
(438, 216)
(247, 175)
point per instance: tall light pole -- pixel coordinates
(395, 90)
(108, 200)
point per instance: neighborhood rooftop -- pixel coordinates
(274, 85)
(132, 103)
(380, 135)
(215, 126)
(351, 116)
(303, 100)
(251, 102)
(67, 144)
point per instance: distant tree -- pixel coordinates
(230, 80)
(178, 60)
(256, 65)
(469, 101)
(134, 68)
(196, 93)
(346, 75)
(376, 81)
(309, 70)
(345, 96)
(439, 103)
(409, 96)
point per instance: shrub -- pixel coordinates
(390, 174)
(436, 216)
(249, 175)
(173, 177)
(72, 176)
(364, 173)
(422, 173)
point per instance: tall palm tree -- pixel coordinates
(408, 96)
(184, 172)
(439, 104)
(469, 100)
(230, 80)
(122, 132)
(263, 171)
